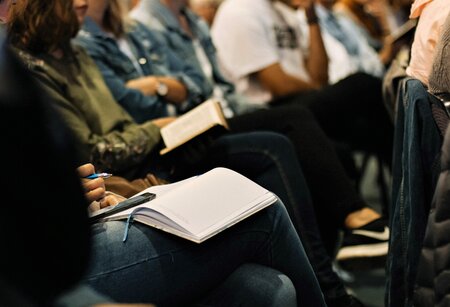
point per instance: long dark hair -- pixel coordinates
(42, 26)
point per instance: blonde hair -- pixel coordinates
(115, 19)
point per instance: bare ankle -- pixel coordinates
(361, 217)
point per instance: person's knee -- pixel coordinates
(263, 286)
(253, 142)
(284, 293)
(277, 212)
(272, 288)
(275, 142)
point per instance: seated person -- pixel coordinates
(285, 69)
(107, 135)
(422, 124)
(313, 149)
(93, 37)
(428, 289)
(438, 80)
(348, 50)
(432, 17)
(43, 277)
(374, 18)
(47, 249)
(268, 287)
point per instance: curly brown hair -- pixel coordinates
(42, 26)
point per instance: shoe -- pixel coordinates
(370, 240)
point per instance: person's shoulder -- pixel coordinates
(151, 38)
(196, 20)
(88, 42)
(235, 14)
(85, 59)
(440, 4)
(145, 12)
(40, 68)
(244, 7)
(32, 62)
(84, 36)
(79, 51)
(139, 27)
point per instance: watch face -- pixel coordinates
(162, 89)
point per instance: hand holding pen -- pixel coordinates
(93, 184)
(95, 191)
(98, 175)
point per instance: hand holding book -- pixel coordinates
(200, 120)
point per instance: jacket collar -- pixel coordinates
(91, 28)
(165, 16)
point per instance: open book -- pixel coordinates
(200, 207)
(202, 118)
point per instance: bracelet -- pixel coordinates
(311, 16)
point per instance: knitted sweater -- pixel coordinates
(439, 81)
(433, 278)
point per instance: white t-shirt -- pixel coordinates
(342, 64)
(251, 35)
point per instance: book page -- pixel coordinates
(193, 123)
(162, 189)
(209, 202)
(258, 204)
(209, 199)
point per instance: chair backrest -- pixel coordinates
(395, 72)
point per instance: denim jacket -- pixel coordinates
(153, 58)
(159, 18)
(417, 146)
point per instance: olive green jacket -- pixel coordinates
(108, 136)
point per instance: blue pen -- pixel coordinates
(98, 175)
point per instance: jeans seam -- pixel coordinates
(285, 182)
(402, 217)
(283, 178)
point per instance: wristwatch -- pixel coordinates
(161, 89)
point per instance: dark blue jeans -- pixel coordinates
(157, 267)
(270, 159)
(252, 285)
